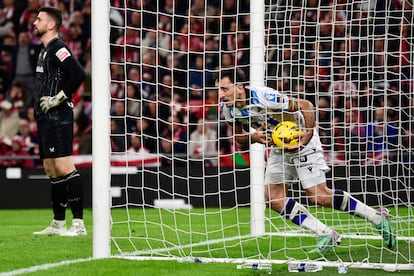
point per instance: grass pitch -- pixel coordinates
(23, 253)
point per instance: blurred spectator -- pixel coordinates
(133, 101)
(145, 128)
(10, 13)
(18, 156)
(408, 142)
(25, 60)
(177, 69)
(6, 62)
(381, 136)
(134, 77)
(63, 6)
(30, 141)
(165, 90)
(149, 65)
(205, 9)
(190, 40)
(379, 59)
(203, 143)
(343, 85)
(229, 38)
(117, 78)
(227, 60)
(243, 52)
(324, 120)
(32, 121)
(212, 53)
(199, 78)
(73, 39)
(26, 18)
(211, 105)
(323, 56)
(166, 151)
(50, 3)
(354, 131)
(175, 132)
(136, 145)
(9, 110)
(76, 138)
(149, 41)
(117, 138)
(16, 95)
(164, 34)
(123, 123)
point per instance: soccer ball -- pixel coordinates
(283, 135)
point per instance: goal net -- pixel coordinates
(187, 191)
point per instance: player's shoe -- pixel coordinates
(385, 228)
(327, 242)
(57, 227)
(77, 229)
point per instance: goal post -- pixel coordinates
(257, 151)
(101, 175)
(169, 180)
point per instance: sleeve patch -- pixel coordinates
(293, 105)
(62, 54)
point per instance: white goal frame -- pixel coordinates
(101, 175)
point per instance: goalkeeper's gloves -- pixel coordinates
(48, 102)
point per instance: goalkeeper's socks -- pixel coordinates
(59, 197)
(300, 216)
(75, 193)
(344, 201)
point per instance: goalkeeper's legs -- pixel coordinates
(59, 204)
(75, 200)
(66, 190)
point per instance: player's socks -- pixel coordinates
(300, 216)
(344, 201)
(75, 193)
(59, 197)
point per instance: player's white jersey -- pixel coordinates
(265, 106)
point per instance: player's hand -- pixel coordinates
(47, 102)
(260, 136)
(304, 139)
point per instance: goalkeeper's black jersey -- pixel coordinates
(57, 70)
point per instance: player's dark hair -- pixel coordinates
(234, 74)
(55, 14)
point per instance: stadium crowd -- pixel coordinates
(164, 60)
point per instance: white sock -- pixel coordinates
(344, 201)
(300, 216)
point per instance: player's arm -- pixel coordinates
(76, 75)
(306, 107)
(243, 137)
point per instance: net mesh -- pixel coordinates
(185, 193)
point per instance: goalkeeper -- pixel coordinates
(58, 76)
(261, 108)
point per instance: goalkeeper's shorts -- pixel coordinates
(55, 134)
